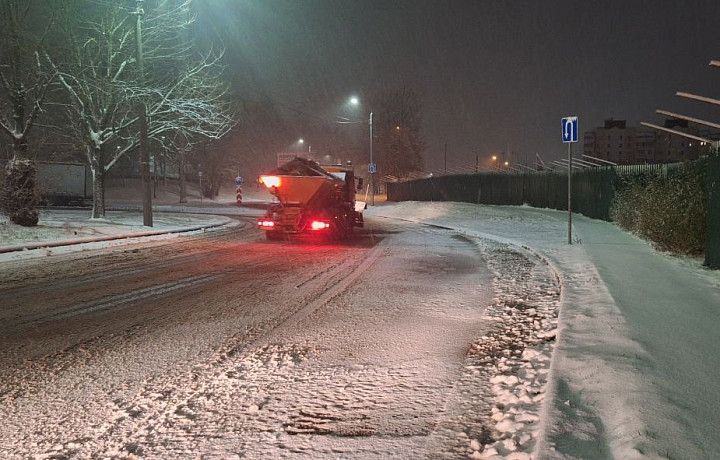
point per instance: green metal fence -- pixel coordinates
(592, 190)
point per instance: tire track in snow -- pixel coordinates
(107, 263)
(16, 300)
(170, 401)
(123, 299)
(109, 274)
(335, 290)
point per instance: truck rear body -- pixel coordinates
(311, 200)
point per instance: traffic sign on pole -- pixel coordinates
(238, 196)
(569, 135)
(570, 129)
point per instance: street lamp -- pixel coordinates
(371, 167)
(301, 142)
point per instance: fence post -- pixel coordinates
(712, 232)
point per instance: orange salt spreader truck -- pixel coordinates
(311, 200)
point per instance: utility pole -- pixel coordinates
(142, 118)
(372, 165)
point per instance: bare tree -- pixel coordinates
(183, 92)
(398, 124)
(24, 84)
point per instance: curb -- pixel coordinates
(93, 239)
(188, 209)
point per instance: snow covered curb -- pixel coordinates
(515, 356)
(516, 353)
(93, 239)
(58, 228)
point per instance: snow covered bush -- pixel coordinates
(668, 210)
(625, 205)
(19, 197)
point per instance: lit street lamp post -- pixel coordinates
(302, 142)
(371, 167)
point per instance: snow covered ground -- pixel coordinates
(60, 231)
(123, 218)
(635, 368)
(635, 371)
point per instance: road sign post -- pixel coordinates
(238, 192)
(569, 136)
(372, 168)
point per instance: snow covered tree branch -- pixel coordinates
(183, 91)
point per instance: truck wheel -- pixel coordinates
(274, 236)
(344, 230)
(350, 226)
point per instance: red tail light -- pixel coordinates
(319, 225)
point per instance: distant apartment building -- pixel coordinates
(617, 142)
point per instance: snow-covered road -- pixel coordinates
(308, 368)
(403, 343)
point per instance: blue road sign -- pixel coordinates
(239, 180)
(570, 129)
(372, 168)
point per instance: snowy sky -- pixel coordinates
(493, 76)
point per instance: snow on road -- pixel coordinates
(422, 351)
(633, 373)
(383, 369)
